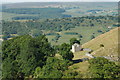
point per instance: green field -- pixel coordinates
(82, 8)
(86, 32)
(70, 9)
(32, 13)
(21, 10)
(60, 31)
(9, 16)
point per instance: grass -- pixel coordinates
(86, 32)
(81, 11)
(81, 68)
(80, 55)
(110, 42)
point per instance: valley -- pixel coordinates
(43, 40)
(69, 10)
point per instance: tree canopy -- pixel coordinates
(65, 52)
(23, 54)
(103, 68)
(26, 56)
(73, 41)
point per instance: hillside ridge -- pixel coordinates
(109, 42)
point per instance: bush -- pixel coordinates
(71, 33)
(92, 36)
(49, 34)
(101, 45)
(100, 31)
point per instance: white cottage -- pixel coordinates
(76, 47)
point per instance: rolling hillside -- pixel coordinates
(110, 42)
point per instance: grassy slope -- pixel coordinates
(110, 41)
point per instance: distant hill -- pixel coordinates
(71, 9)
(59, 4)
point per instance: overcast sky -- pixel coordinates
(6, 1)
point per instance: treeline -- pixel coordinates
(45, 16)
(94, 11)
(26, 18)
(71, 33)
(38, 13)
(34, 10)
(58, 25)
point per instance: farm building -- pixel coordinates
(76, 47)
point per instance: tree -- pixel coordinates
(34, 52)
(91, 24)
(74, 40)
(10, 69)
(11, 50)
(24, 54)
(103, 68)
(100, 31)
(101, 45)
(71, 74)
(65, 51)
(80, 36)
(92, 36)
(6, 36)
(53, 69)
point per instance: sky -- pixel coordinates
(14, 1)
